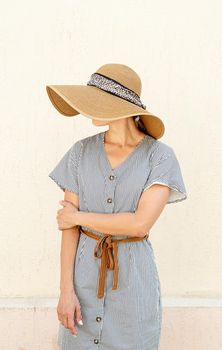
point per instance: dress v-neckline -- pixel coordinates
(125, 161)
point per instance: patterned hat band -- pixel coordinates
(113, 87)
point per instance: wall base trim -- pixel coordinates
(40, 302)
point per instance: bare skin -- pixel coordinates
(120, 140)
(69, 308)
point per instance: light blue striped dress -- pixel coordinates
(130, 317)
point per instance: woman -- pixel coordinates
(116, 184)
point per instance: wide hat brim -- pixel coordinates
(95, 103)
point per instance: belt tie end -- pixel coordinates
(107, 251)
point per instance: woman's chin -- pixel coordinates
(99, 122)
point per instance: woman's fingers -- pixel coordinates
(78, 314)
(71, 324)
(66, 203)
(67, 320)
(64, 321)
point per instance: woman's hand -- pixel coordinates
(66, 216)
(69, 310)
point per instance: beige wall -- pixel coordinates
(176, 48)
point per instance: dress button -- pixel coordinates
(111, 177)
(96, 341)
(98, 318)
(109, 200)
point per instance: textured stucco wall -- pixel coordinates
(176, 48)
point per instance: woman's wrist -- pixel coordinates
(66, 288)
(77, 218)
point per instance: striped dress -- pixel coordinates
(128, 318)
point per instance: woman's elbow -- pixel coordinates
(141, 228)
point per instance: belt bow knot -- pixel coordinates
(106, 249)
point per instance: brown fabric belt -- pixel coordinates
(106, 249)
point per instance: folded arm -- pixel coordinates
(150, 206)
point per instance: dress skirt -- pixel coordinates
(128, 318)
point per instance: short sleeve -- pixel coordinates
(165, 169)
(65, 173)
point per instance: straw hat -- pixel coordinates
(112, 93)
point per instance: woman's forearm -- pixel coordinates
(69, 243)
(124, 223)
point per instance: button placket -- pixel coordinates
(99, 322)
(110, 189)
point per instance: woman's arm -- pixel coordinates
(69, 243)
(150, 206)
(69, 307)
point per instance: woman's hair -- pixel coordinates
(140, 124)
